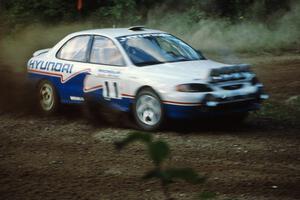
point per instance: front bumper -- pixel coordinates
(216, 106)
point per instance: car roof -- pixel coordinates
(117, 32)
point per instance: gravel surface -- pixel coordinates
(69, 157)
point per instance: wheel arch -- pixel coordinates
(141, 89)
(147, 87)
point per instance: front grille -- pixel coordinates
(230, 99)
(236, 98)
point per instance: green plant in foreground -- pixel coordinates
(158, 151)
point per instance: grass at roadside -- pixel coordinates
(280, 113)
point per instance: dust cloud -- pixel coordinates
(220, 35)
(16, 49)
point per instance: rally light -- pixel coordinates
(211, 103)
(210, 100)
(264, 96)
(215, 72)
(230, 73)
(193, 87)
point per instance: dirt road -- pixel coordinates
(68, 157)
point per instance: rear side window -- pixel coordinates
(105, 52)
(75, 49)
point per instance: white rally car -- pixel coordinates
(147, 72)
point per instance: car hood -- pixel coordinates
(191, 70)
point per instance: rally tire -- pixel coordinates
(148, 110)
(47, 98)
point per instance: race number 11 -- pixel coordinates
(111, 90)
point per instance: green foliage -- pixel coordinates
(158, 151)
(22, 12)
(119, 12)
(287, 113)
(186, 174)
(169, 175)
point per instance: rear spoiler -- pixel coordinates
(39, 52)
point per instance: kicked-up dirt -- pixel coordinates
(69, 157)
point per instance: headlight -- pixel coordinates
(193, 87)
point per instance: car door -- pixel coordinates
(107, 80)
(74, 53)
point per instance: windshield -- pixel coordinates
(149, 49)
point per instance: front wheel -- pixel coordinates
(48, 101)
(148, 110)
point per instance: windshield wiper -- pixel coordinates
(148, 63)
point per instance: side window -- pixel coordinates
(104, 51)
(75, 49)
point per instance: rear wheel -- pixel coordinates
(148, 110)
(48, 101)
